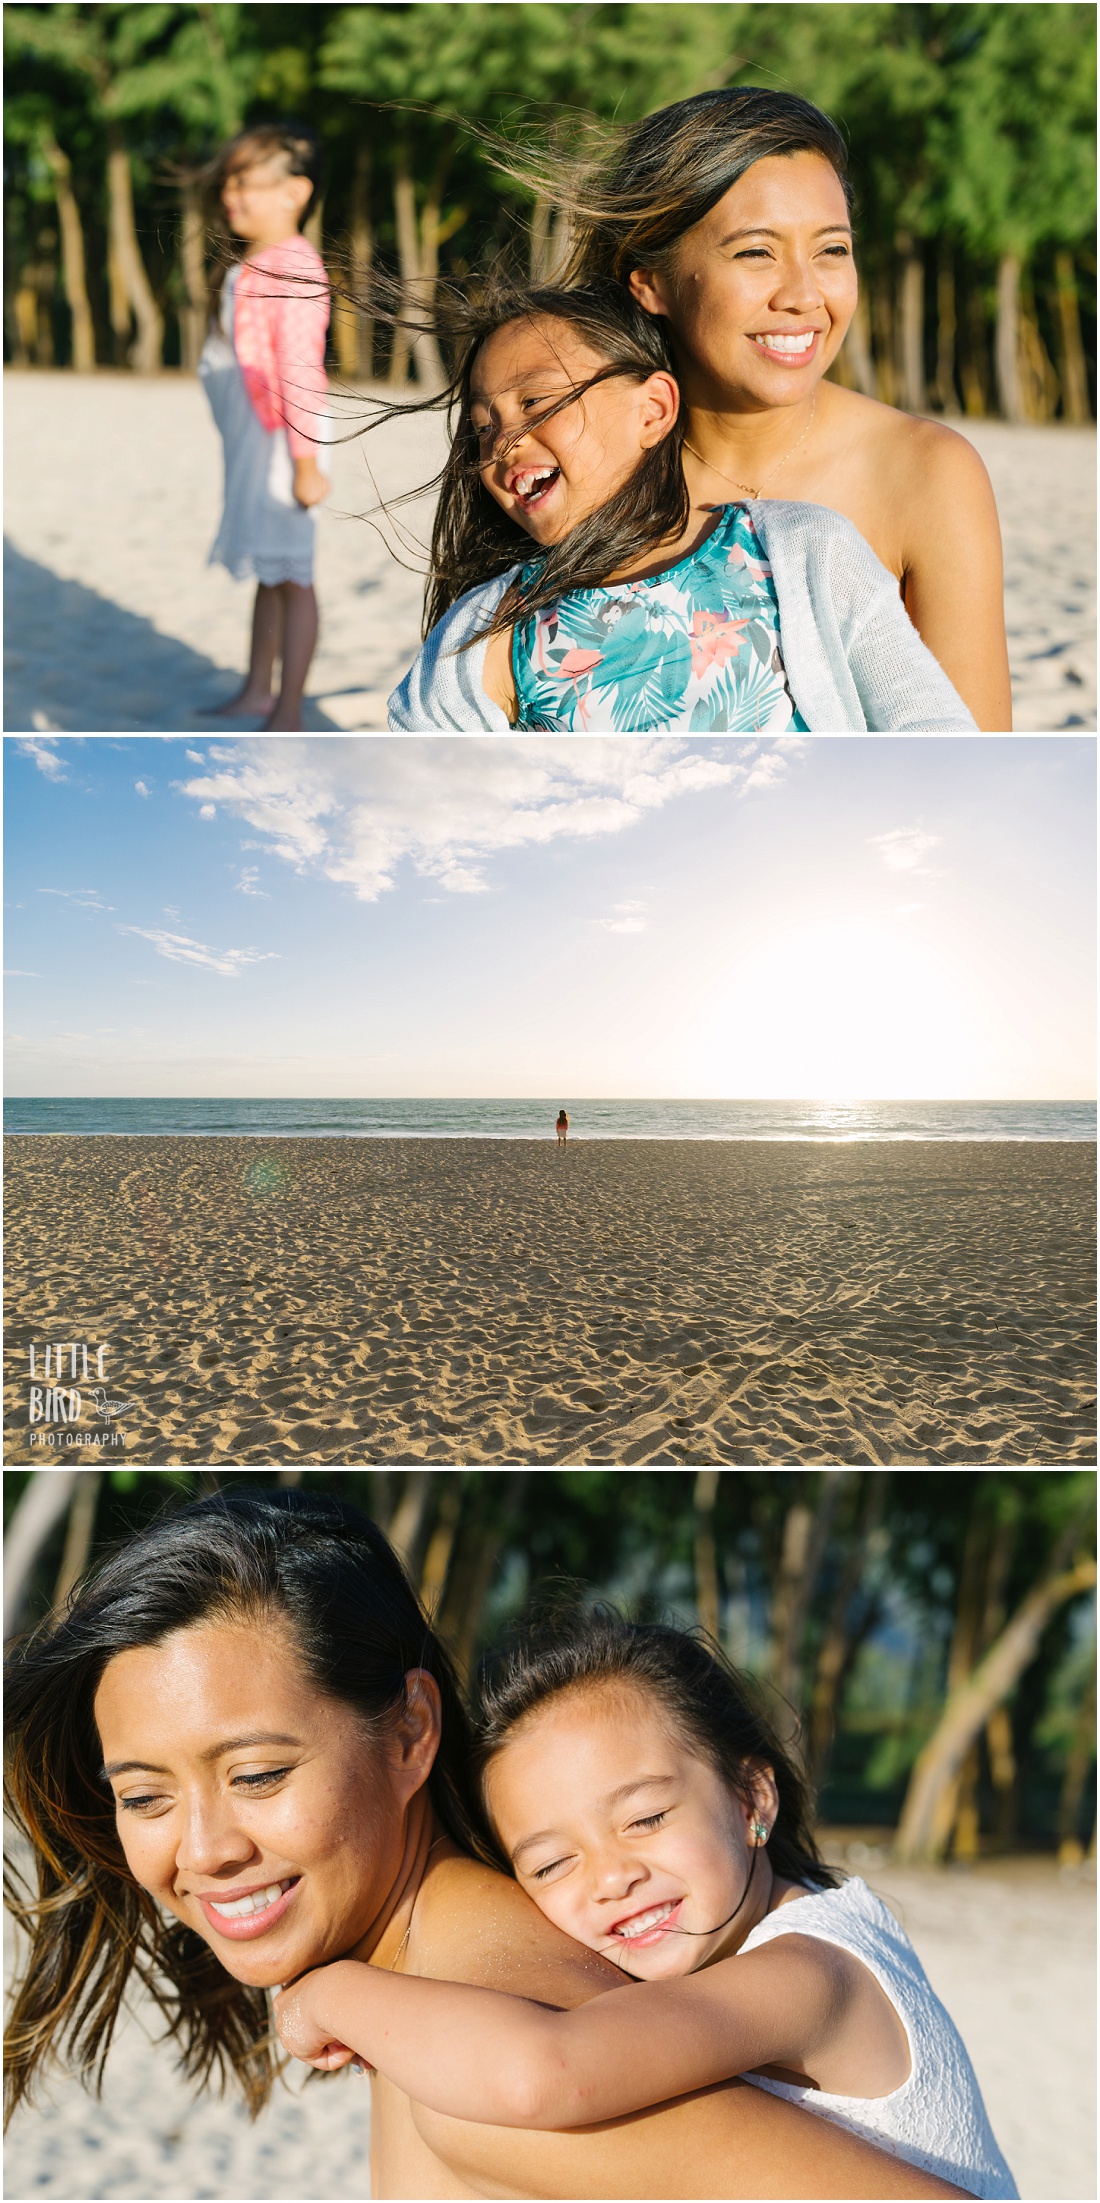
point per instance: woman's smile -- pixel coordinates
(247, 1913)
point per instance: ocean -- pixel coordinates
(534, 1120)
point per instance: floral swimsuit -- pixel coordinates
(695, 649)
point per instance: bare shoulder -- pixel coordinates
(917, 450)
(474, 1924)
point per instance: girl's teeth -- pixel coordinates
(257, 1902)
(647, 1920)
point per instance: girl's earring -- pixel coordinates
(759, 1831)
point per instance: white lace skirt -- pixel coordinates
(264, 534)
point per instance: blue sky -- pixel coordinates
(826, 917)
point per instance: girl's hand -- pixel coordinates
(310, 485)
(300, 2029)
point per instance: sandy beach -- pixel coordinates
(351, 1301)
(1007, 1945)
(115, 621)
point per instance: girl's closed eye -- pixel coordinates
(652, 1820)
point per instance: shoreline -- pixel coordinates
(629, 1302)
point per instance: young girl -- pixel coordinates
(263, 368)
(652, 1813)
(638, 611)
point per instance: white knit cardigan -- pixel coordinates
(855, 662)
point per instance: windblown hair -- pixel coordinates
(473, 538)
(718, 1713)
(358, 1628)
(625, 199)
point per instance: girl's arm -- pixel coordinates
(473, 2053)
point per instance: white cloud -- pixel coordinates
(85, 898)
(170, 910)
(355, 810)
(195, 756)
(628, 918)
(180, 949)
(45, 757)
(246, 885)
(902, 849)
(142, 788)
(11, 971)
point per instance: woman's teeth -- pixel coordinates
(259, 1901)
(787, 344)
(644, 1921)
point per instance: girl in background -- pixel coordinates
(264, 373)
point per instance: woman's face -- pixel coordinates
(261, 198)
(760, 293)
(254, 1808)
(550, 474)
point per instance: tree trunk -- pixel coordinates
(1007, 345)
(78, 1540)
(1082, 1752)
(920, 1836)
(408, 1523)
(437, 1559)
(72, 256)
(381, 1498)
(145, 352)
(426, 354)
(540, 241)
(974, 359)
(352, 323)
(882, 320)
(1075, 380)
(946, 322)
(39, 1508)
(911, 329)
(408, 255)
(805, 1534)
(289, 1477)
(857, 349)
(833, 1656)
(195, 315)
(472, 1575)
(315, 227)
(706, 1562)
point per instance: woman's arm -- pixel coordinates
(954, 572)
(507, 2061)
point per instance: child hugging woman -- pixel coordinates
(577, 586)
(644, 1801)
(264, 374)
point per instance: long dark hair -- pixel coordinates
(473, 538)
(719, 1713)
(625, 198)
(358, 1628)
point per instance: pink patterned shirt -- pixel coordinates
(280, 316)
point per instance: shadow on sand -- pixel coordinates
(76, 661)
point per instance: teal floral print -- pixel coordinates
(693, 650)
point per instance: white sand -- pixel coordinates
(115, 622)
(1009, 1948)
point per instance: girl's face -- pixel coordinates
(550, 474)
(255, 1809)
(262, 202)
(760, 293)
(624, 1837)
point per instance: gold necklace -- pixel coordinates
(755, 495)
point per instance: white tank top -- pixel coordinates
(936, 2119)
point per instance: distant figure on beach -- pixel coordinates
(263, 368)
(561, 1126)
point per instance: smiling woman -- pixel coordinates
(241, 1756)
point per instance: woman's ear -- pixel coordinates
(414, 1737)
(300, 193)
(647, 285)
(764, 1810)
(660, 406)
